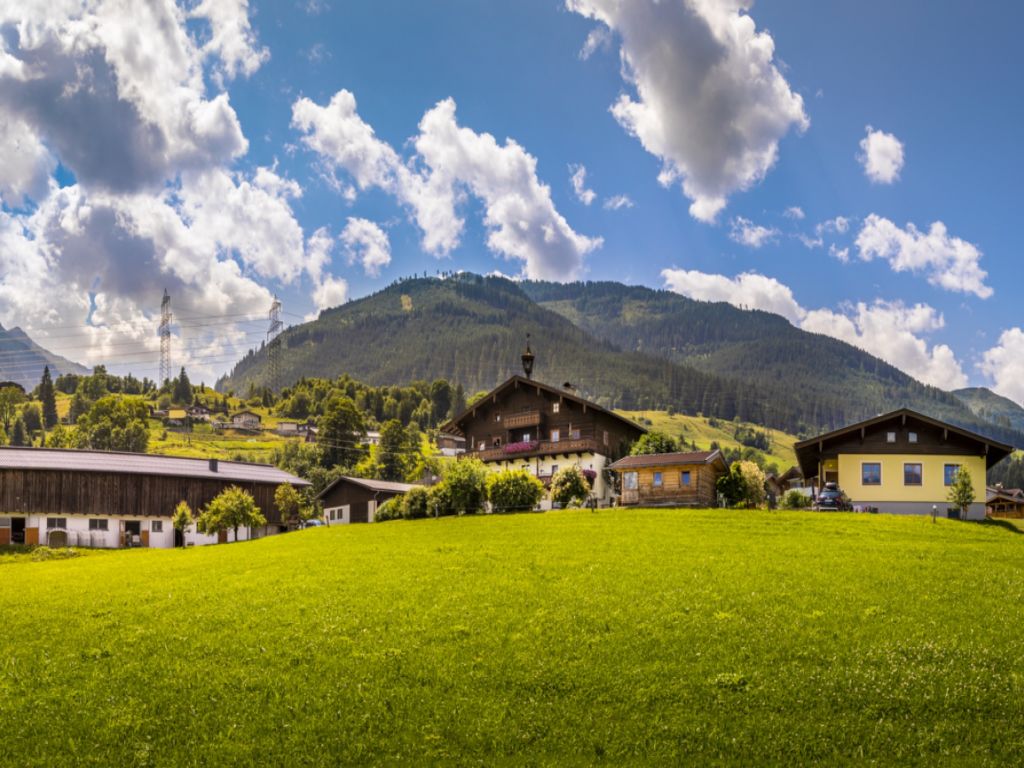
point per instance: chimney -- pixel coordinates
(213, 465)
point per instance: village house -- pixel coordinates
(901, 462)
(247, 420)
(671, 479)
(451, 446)
(292, 428)
(524, 424)
(356, 499)
(1005, 502)
(106, 499)
(790, 480)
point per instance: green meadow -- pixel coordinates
(618, 637)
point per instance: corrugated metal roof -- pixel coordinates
(142, 464)
(373, 485)
(664, 459)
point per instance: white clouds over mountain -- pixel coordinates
(709, 101)
(451, 162)
(891, 331)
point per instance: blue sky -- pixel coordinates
(938, 83)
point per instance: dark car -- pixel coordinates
(831, 499)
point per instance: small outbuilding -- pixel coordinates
(356, 499)
(670, 479)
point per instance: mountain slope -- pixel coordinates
(22, 360)
(472, 329)
(997, 409)
(838, 382)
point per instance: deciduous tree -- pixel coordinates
(231, 509)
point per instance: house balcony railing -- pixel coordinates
(522, 419)
(536, 448)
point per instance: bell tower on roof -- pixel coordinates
(527, 358)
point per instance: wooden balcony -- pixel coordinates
(521, 420)
(542, 448)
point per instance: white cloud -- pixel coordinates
(366, 243)
(25, 164)
(891, 331)
(599, 38)
(949, 262)
(709, 100)
(578, 178)
(617, 203)
(451, 162)
(748, 290)
(118, 94)
(839, 225)
(746, 232)
(794, 212)
(881, 155)
(842, 254)
(1004, 363)
(331, 292)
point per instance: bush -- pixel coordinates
(569, 486)
(514, 489)
(414, 503)
(389, 510)
(795, 500)
(439, 501)
(466, 481)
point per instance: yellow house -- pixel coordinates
(901, 462)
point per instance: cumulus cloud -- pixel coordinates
(881, 155)
(366, 243)
(949, 262)
(331, 292)
(708, 99)
(599, 38)
(118, 94)
(794, 212)
(746, 232)
(26, 164)
(617, 203)
(1004, 364)
(450, 163)
(891, 331)
(578, 178)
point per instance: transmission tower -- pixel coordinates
(274, 343)
(165, 339)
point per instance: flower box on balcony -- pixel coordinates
(524, 447)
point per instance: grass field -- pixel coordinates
(640, 637)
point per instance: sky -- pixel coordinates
(853, 167)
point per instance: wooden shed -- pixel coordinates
(670, 479)
(356, 499)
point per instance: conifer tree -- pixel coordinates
(49, 399)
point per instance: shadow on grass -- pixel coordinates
(1006, 525)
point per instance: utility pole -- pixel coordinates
(165, 339)
(274, 344)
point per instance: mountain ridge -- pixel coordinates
(22, 360)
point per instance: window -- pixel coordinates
(554, 407)
(97, 524)
(574, 434)
(156, 526)
(949, 473)
(657, 480)
(56, 522)
(684, 477)
(912, 437)
(497, 417)
(5, 522)
(912, 474)
(526, 437)
(555, 435)
(890, 437)
(871, 474)
(554, 468)
(497, 442)
(606, 437)
(629, 481)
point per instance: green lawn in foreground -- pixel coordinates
(635, 637)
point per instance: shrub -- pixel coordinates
(439, 501)
(514, 489)
(569, 486)
(795, 500)
(389, 510)
(466, 481)
(743, 485)
(414, 503)
(654, 442)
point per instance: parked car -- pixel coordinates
(313, 523)
(832, 499)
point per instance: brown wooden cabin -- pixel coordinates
(780, 485)
(1005, 503)
(671, 479)
(356, 499)
(41, 485)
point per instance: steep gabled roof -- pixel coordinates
(668, 459)
(452, 426)
(384, 486)
(807, 450)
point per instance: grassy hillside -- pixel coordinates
(642, 637)
(701, 430)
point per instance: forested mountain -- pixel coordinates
(22, 360)
(624, 347)
(997, 409)
(837, 382)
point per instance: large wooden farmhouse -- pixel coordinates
(525, 424)
(671, 479)
(102, 499)
(901, 462)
